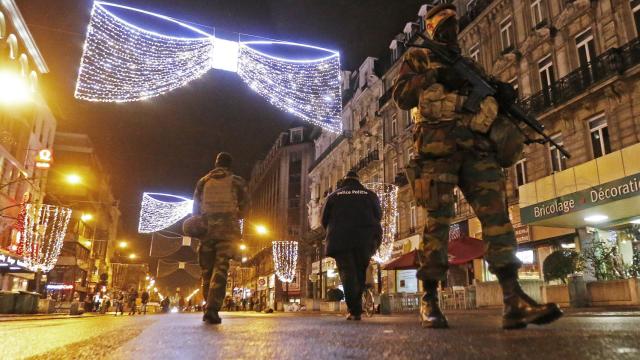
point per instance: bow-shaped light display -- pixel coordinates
(159, 211)
(124, 62)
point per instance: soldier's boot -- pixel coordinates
(519, 308)
(212, 318)
(430, 314)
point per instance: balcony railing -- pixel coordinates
(610, 63)
(366, 160)
(400, 180)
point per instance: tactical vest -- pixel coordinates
(218, 196)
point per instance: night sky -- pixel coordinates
(165, 144)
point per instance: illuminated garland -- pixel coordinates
(285, 259)
(44, 229)
(156, 215)
(123, 62)
(388, 195)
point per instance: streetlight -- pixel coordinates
(132, 256)
(74, 179)
(261, 230)
(243, 247)
(14, 89)
(86, 217)
(123, 244)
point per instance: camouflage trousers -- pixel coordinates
(459, 162)
(214, 253)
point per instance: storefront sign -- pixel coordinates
(522, 232)
(59, 287)
(602, 194)
(44, 158)
(262, 283)
(11, 262)
(327, 264)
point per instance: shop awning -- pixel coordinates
(461, 250)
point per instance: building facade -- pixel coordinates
(27, 129)
(80, 182)
(279, 190)
(574, 65)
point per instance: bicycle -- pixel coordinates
(368, 302)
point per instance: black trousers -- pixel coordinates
(352, 267)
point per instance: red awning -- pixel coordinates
(461, 250)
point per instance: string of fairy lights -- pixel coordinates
(122, 62)
(285, 259)
(388, 195)
(44, 230)
(157, 214)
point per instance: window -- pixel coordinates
(408, 153)
(536, 12)
(635, 6)
(414, 116)
(413, 220)
(394, 126)
(545, 67)
(296, 135)
(394, 166)
(599, 136)
(558, 161)
(474, 52)
(586, 48)
(470, 4)
(506, 30)
(521, 172)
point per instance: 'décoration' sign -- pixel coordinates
(602, 194)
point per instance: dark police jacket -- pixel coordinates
(351, 216)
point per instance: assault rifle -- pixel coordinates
(483, 86)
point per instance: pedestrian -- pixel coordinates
(165, 304)
(251, 303)
(181, 303)
(467, 149)
(351, 217)
(244, 304)
(219, 202)
(144, 298)
(133, 295)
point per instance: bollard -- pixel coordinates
(385, 304)
(578, 293)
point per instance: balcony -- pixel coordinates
(366, 160)
(473, 12)
(401, 180)
(610, 63)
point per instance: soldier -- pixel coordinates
(219, 201)
(468, 150)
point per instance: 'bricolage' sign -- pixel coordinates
(602, 194)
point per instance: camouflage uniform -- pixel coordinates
(222, 207)
(453, 150)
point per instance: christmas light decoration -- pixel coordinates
(44, 229)
(157, 214)
(388, 195)
(285, 259)
(123, 62)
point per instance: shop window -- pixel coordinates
(599, 133)
(506, 34)
(521, 172)
(536, 12)
(635, 6)
(558, 160)
(474, 52)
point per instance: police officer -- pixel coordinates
(468, 150)
(219, 201)
(351, 216)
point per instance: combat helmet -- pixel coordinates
(441, 24)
